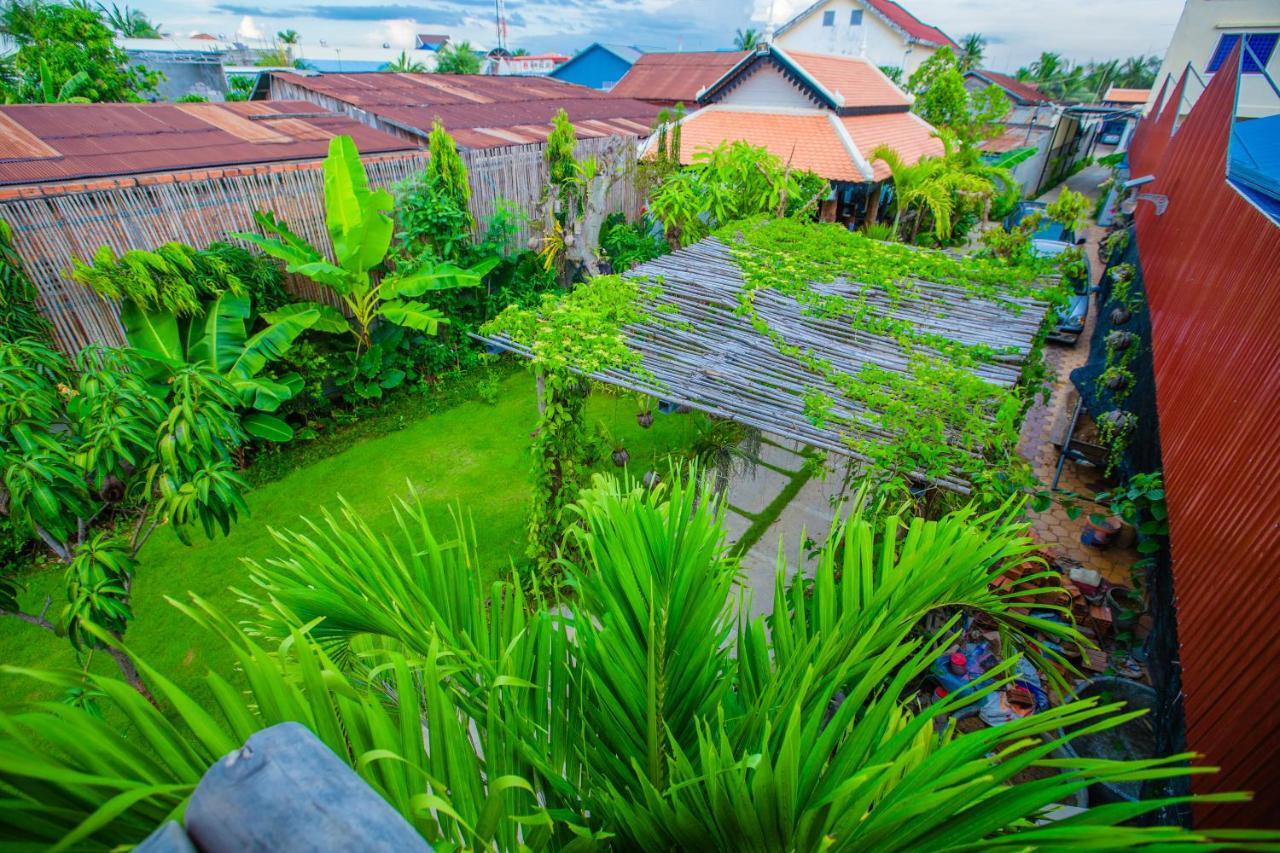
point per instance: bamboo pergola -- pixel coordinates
(702, 353)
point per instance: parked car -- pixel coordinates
(1049, 240)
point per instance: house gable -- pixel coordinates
(765, 84)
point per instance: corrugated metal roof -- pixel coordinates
(1020, 90)
(473, 107)
(674, 77)
(1209, 267)
(42, 143)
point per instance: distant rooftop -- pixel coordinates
(479, 111)
(675, 77)
(1021, 91)
(41, 143)
(892, 14)
(1118, 95)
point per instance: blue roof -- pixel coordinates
(1254, 165)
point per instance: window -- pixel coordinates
(828, 19)
(855, 18)
(1262, 45)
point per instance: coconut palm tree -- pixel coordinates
(406, 65)
(972, 48)
(646, 712)
(746, 39)
(129, 23)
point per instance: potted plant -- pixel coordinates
(1100, 531)
(644, 413)
(1140, 503)
(1126, 606)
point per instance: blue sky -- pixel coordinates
(1017, 29)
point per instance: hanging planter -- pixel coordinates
(620, 456)
(645, 419)
(1120, 316)
(1120, 341)
(651, 479)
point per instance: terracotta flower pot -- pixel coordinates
(1101, 535)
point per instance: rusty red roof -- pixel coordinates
(891, 13)
(41, 143)
(481, 111)
(669, 78)
(1025, 92)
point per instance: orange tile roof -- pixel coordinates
(859, 82)
(809, 140)
(1126, 96)
(905, 133)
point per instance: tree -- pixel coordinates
(457, 58)
(972, 48)
(129, 23)
(239, 87)
(667, 718)
(943, 100)
(406, 65)
(360, 231)
(68, 40)
(746, 39)
(92, 440)
(289, 37)
(894, 73)
(937, 188)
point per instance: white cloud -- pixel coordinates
(248, 30)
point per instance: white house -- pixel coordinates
(880, 31)
(1205, 34)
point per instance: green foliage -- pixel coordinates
(943, 191)
(1140, 502)
(734, 180)
(445, 170)
(1071, 209)
(628, 244)
(943, 101)
(403, 64)
(1062, 81)
(938, 420)
(568, 336)
(746, 39)
(78, 441)
(667, 719)
(360, 231)
(432, 209)
(894, 73)
(129, 23)
(178, 278)
(239, 87)
(19, 316)
(562, 163)
(457, 58)
(55, 43)
(972, 48)
(191, 99)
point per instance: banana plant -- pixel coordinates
(217, 338)
(360, 231)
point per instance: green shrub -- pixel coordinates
(628, 244)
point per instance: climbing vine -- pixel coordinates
(569, 337)
(934, 418)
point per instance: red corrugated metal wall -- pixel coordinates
(1211, 268)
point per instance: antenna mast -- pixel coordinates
(500, 14)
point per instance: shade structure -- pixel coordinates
(700, 350)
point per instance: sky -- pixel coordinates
(1016, 30)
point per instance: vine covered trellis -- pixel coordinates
(915, 363)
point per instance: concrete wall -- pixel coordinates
(1202, 24)
(874, 39)
(189, 75)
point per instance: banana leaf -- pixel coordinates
(221, 332)
(266, 427)
(330, 320)
(435, 277)
(413, 315)
(270, 344)
(355, 215)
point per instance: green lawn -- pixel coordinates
(474, 455)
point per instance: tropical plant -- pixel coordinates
(732, 181)
(129, 23)
(68, 40)
(894, 73)
(360, 231)
(19, 316)
(648, 711)
(723, 447)
(239, 87)
(94, 441)
(746, 39)
(404, 64)
(927, 188)
(943, 100)
(457, 58)
(972, 48)
(289, 37)
(627, 244)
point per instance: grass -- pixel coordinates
(471, 455)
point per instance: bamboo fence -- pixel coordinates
(702, 352)
(200, 208)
